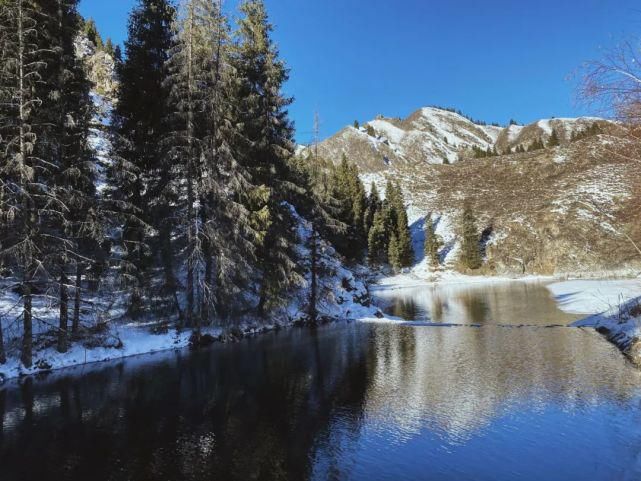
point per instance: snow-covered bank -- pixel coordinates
(342, 295)
(135, 339)
(594, 296)
(615, 308)
(445, 278)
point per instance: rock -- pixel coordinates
(379, 314)
(634, 352)
(197, 340)
(42, 365)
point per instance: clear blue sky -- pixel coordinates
(493, 59)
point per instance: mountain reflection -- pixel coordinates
(299, 404)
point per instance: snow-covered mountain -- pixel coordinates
(560, 209)
(438, 136)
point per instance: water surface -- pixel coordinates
(483, 401)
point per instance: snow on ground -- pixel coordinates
(135, 339)
(615, 306)
(594, 296)
(342, 295)
(449, 277)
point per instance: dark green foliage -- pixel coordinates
(389, 239)
(91, 31)
(479, 153)
(109, 48)
(373, 206)
(350, 193)
(378, 240)
(405, 256)
(356, 124)
(536, 145)
(72, 221)
(140, 173)
(553, 141)
(470, 256)
(265, 147)
(433, 242)
(48, 197)
(370, 131)
(591, 131)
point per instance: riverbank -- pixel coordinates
(129, 339)
(613, 308)
(106, 333)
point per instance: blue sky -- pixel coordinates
(493, 59)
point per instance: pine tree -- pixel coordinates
(433, 242)
(23, 63)
(315, 201)
(370, 130)
(70, 220)
(378, 240)
(393, 254)
(91, 32)
(553, 140)
(139, 174)
(216, 230)
(109, 48)
(373, 206)
(405, 256)
(267, 136)
(470, 252)
(397, 223)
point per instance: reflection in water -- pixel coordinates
(350, 401)
(501, 303)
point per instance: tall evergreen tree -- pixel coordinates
(349, 190)
(405, 256)
(378, 239)
(393, 252)
(470, 256)
(70, 219)
(266, 145)
(24, 193)
(373, 206)
(139, 175)
(432, 242)
(208, 181)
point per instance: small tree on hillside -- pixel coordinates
(377, 240)
(433, 242)
(554, 139)
(393, 254)
(470, 253)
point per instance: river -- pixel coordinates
(487, 385)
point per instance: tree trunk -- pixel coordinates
(75, 325)
(190, 174)
(2, 411)
(3, 357)
(168, 266)
(64, 313)
(27, 335)
(26, 355)
(314, 273)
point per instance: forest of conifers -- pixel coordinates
(197, 220)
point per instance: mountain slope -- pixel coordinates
(563, 209)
